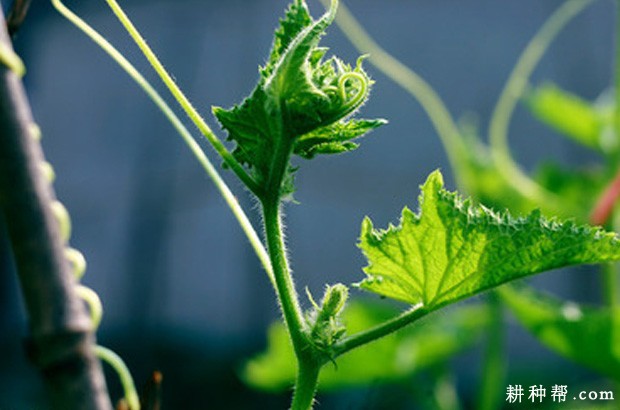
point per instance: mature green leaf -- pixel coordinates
(568, 114)
(452, 249)
(300, 104)
(589, 336)
(392, 358)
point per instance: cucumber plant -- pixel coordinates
(586, 334)
(304, 105)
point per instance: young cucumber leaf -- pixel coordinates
(588, 336)
(570, 115)
(300, 104)
(454, 249)
(392, 358)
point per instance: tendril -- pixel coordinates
(89, 296)
(114, 360)
(11, 60)
(48, 171)
(350, 103)
(77, 261)
(64, 221)
(35, 131)
(94, 304)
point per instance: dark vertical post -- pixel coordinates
(60, 343)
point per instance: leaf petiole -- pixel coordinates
(383, 329)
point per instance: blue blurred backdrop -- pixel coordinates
(182, 290)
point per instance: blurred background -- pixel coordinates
(182, 290)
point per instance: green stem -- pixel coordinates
(305, 385)
(271, 203)
(221, 186)
(359, 339)
(183, 101)
(284, 282)
(494, 369)
(308, 365)
(512, 92)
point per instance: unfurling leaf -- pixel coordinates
(301, 103)
(453, 249)
(589, 336)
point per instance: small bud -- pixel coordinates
(324, 321)
(334, 299)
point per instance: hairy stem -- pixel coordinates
(61, 342)
(221, 186)
(359, 339)
(512, 92)
(305, 385)
(308, 367)
(284, 282)
(271, 203)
